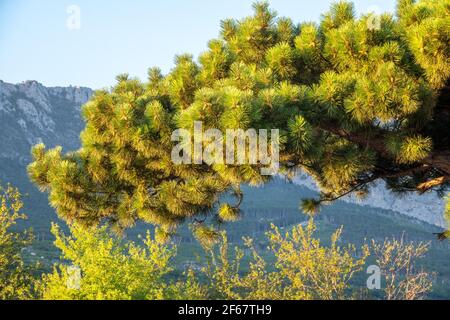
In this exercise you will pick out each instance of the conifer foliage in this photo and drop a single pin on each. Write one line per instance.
(354, 103)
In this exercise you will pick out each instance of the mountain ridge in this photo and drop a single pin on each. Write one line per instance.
(31, 113)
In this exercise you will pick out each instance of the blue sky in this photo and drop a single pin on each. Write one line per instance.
(121, 36)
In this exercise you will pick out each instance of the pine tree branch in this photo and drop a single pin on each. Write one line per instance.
(362, 182)
(425, 186)
(325, 59)
(439, 159)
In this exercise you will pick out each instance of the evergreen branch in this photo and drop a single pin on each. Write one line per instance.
(439, 159)
(425, 186)
(362, 182)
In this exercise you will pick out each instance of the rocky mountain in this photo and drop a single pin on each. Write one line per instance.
(31, 113)
(427, 207)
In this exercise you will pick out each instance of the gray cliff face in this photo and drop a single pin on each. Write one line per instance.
(31, 113)
(427, 207)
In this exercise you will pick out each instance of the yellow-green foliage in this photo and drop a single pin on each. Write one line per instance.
(402, 279)
(410, 149)
(207, 236)
(228, 213)
(113, 269)
(98, 265)
(354, 102)
(304, 268)
(16, 281)
(428, 36)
